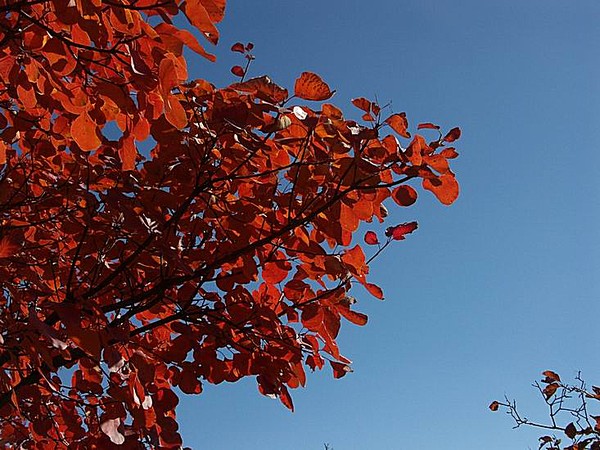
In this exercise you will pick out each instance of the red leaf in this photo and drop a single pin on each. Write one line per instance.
(452, 135)
(494, 406)
(571, 431)
(428, 125)
(399, 231)
(339, 369)
(311, 87)
(445, 187)
(238, 47)
(173, 36)
(286, 398)
(399, 124)
(374, 290)
(362, 103)
(238, 71)
(7, 247)
(353, 316)
(371, 238)
(200, 18)
(263, 88)
(128, 153)
(550, 376)
(449, 153)
(84, 132)
(355, 259)
(550, 390)
(86, 339)
(404, 195)
(276, 271)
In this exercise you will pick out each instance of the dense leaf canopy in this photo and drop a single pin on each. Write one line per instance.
(224, 251)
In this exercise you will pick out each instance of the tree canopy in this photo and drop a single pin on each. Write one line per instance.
(226, 250)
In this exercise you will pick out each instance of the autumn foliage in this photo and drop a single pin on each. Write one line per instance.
(572, 423)
(208, 236)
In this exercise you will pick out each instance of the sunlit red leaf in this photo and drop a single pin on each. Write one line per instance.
(399, 232)
(238, 71)
(200, 18)
(340, 369)
(311, 87)
(286, 398)
(84, 132)
(449, 153)
(238, 47)
(176, 37)
(362, 103)
(7, 247)
(494, 406)
(354, 316)
(276, 272)
(374, 290)
(371, 238)
(445, 187)
(399, 124)
(264, 88)
(428, 125)
(354, 258)
(128, 153)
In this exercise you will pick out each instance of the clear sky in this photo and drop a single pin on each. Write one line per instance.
(490, 291)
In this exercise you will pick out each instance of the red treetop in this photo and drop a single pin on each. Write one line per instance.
(226, 252)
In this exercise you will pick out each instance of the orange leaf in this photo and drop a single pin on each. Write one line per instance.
(449, 153)
(399, 124)
(428, 125)
(311, 87)
(175, 113)
(353, 316)
(362, 103)
(3, 148)
(174, 38)
(84, 132)
(201, 19)
(128, 153)
(263, 88)
(494, 406)
(445, 187)
(374, 290)
(355, 260)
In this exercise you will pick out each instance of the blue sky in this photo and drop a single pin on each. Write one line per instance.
(490, 291)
